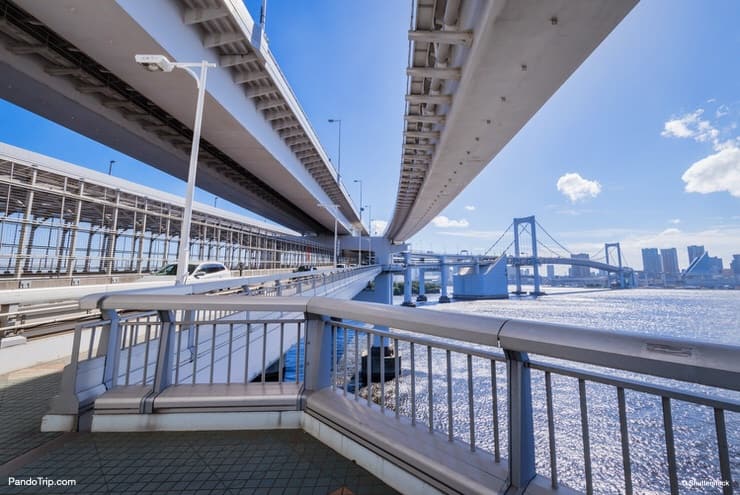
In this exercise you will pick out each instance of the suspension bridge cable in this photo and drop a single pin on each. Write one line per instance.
(551, 237)
(557, 255)
(497, 240)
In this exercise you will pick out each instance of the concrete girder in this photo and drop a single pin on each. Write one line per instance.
(422, 134)
(297, 148)
(232, 60)
(432, 72)
(419, 147)
(447, 37)
(198, 15)
(268, 104)
(292, 133)
(280, 114)
(297, 139)
(218, 39)
(426, 119)
(257, 92)
(433, 99)
(64, 71)
(242, 78)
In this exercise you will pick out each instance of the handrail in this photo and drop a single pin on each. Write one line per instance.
(92, 301)
(705, 363)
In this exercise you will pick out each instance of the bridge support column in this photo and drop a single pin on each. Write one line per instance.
(407, 280)
(422, 289)
(444, 276)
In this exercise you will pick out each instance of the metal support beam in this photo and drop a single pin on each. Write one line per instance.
(422, 134)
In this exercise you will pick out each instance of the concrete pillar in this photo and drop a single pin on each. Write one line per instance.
(535, 260)
(444, 278)
(422, 289)
(407, 280)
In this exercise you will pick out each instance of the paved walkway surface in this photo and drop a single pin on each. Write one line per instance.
(24, 399)
(279, 462)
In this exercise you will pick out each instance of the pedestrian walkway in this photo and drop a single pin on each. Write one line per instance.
(24, 399)
(276, 462)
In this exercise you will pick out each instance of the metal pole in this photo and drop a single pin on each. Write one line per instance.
(370, 231)
(184, 251)
(359, 237)
(110, 166)
(335, 239)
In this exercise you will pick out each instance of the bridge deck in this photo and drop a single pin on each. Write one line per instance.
(278, 461)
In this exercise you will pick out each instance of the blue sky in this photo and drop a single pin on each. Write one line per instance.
(648, 123)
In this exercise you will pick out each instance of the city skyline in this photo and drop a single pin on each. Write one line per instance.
(670, 178)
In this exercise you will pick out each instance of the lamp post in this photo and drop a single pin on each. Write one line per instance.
(339, 148)
(110, 166)
(370, 232)
(156, 63)
(334, 209)
(359, 238)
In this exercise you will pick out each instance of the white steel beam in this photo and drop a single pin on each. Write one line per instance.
(197, 15)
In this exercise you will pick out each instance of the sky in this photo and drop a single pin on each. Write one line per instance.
(640, 145)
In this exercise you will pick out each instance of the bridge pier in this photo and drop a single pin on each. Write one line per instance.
(444, 276)
(407, 279)
(422, 288)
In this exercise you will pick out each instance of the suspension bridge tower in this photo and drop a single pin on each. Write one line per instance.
(523, 225)
(615, 248)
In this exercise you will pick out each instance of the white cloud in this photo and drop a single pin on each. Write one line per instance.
(577, 188)
(671, 231)
(470, 208)
(674, 221)
(472, 234)
(445, 223)
(377, 227)
(691, 125)
(715, 173)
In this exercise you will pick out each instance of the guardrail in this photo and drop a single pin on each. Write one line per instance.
(471, 379)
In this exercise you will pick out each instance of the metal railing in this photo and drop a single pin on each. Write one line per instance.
(471, 379)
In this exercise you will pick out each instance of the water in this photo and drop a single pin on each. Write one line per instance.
(696, 314)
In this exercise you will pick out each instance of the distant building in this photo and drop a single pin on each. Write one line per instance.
(579, 271)
(651, 263)
(735, 265)
(705, 266)
(551, 271)
(670, 261)
(694, 252)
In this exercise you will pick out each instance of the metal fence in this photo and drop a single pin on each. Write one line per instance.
(541, 399)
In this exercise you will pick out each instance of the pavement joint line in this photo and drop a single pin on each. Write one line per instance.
(14, 465)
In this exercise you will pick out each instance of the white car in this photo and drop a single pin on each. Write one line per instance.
(197, 272)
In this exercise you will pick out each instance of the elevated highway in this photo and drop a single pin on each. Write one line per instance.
(478, 71)
(73, 62)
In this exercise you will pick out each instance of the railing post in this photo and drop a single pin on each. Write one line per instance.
(318, 353)
(521, 425)
(113, 349)
(165, 358)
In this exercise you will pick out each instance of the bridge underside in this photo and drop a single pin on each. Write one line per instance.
(479, 72)
(73, 63)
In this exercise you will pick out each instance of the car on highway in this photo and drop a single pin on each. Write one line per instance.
(198, 272)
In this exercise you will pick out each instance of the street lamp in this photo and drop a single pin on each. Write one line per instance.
(370, 234)
(334, 209)
(156, 63)
(359, 239)
(110, 166)
(339, 153)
